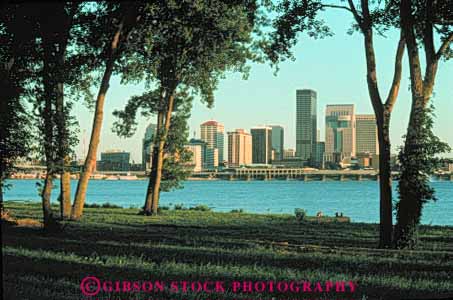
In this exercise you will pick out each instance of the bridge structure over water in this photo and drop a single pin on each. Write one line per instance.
(247, 174)
(301, 174)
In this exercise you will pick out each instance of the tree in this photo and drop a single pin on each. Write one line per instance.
(420, 22)
(123, 18)
(187, 47)
(302, 16)
(17, 40)
(175, 154)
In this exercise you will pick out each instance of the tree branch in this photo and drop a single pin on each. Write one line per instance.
(394, 89)
(336, 6)
(444, 46)
(357, 16)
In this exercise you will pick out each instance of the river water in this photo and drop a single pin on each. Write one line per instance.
(358, 200)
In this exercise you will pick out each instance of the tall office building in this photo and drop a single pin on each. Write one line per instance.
(196, 162)
(277, 141)
(147, 147)
(261, 145)
(239, 148)
(366, 134)
(114, 160)
(340, 132)
(212, 132)
(209, 157)
(306, 124)
(289, 153)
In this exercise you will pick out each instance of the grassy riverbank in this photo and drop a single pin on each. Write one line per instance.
(118, 244)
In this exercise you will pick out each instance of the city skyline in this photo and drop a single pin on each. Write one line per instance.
(337, 76)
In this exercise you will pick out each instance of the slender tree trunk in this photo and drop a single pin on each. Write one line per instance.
(2, 208)
(45, 195)
(160, 154)
(90, 160)
(65, 193)
(385, 182)
(152, 176)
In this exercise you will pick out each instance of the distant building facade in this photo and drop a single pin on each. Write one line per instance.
(239, 148)
(366, 134)
(261, 145)
(147, 147)
(306, 123)
(319, 154)
(213, 133)
(196, 163)
(340, 132)
(114, 160)
(277, 141)
(208, 161)
(289, 153)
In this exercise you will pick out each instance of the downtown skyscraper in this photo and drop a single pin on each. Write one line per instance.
(239, 148)
(261, 144)
(277, 141)
(213, 133)
(306, 124)
(340, 132)
(366, 134)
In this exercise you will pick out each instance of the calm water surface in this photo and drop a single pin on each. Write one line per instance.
(356, 199)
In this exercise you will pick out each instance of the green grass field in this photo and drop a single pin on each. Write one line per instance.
(118, 244)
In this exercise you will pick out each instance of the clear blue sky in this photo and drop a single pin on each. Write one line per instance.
(334, 67)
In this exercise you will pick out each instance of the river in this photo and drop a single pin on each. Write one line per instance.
(358, 200)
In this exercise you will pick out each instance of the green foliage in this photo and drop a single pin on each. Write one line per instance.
(179, 207)
(104, 205)
(418, 161)
(237, 211)
(201, 207)
(300, 214)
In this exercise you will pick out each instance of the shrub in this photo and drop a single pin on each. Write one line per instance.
(201, 207)
(240, 210)
(300, 214)
(110, 205)
(179, 207)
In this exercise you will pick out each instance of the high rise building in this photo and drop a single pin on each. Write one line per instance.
(319, 154)
(239, 148)
(114, 160)
(147, 147)
(277, 141)
(261, 145)
(212, 132)
(340, 132)
(208, 161)
(366, 134)
(196, 162)
(306, 124)
(289, 153)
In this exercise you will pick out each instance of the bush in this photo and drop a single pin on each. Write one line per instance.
(300, 214)
(201, 207)
(110, 205)
(179, 207)
(240, 210)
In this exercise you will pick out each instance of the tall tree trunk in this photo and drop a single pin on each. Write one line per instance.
(65, 192)
(90, 160)
(382, 112)
(385, 182)
(160, 154)
(45, 195)
(2, 208)
(152, 176)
